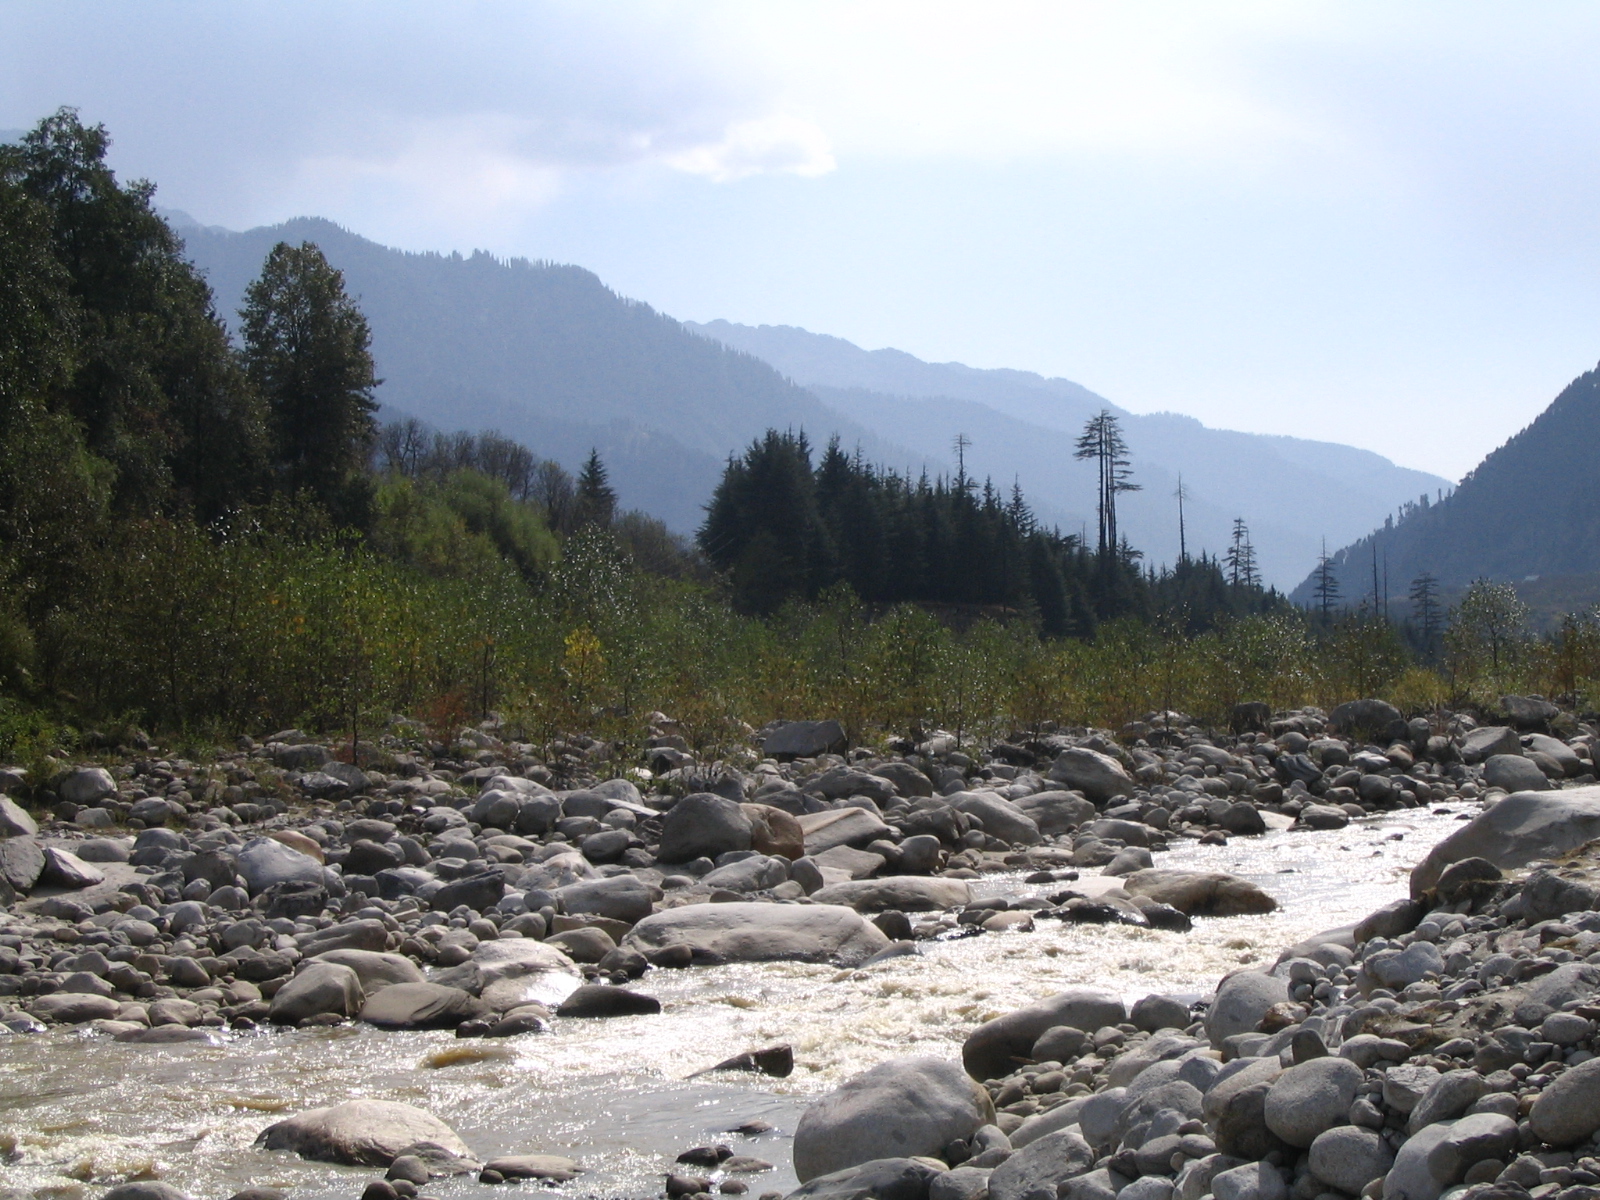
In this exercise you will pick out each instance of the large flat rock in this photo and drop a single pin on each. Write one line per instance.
(752, 932)
(1525, 827)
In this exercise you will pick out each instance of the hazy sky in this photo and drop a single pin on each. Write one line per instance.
(1373, 223)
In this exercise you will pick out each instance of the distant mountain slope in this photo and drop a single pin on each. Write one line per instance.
(1293, 493)
(1531, 508)
(550, 356)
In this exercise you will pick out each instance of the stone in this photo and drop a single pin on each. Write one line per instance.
(1234, 1108)
(1471, 1140)
(66, 870)
(507, 959)
(144, 1189)
(86, 786)
(1243, 999)
(588, 944)
(1487, 741)
(597, 1000)
(1370, 720)
(703, 825)
(773, 831)
(14, 819)
(322, 987)
(905, 893)
(104, 850)
(1041, 1167)
(1446, 1099)
(999, 818)
(421, 1006)
(905, 1106)
(1062, 1116)
(361, 1133)
(1411, 1178)
(757, 873)
(1200, 893)
(368, 933)
(1514, 773)
(549, 1167)
(1524, 827)
(1098, 776)
(376, 970)
(879, 1179)
(744, 931)
(1160, 1012)
(1348, 1158)
(1408, 966)
(962, 1183)
(1243, 818)
(1568, 1110)
(1311, 1098)
(266, 862)
(1056, 812)
(1253, 1181)
(995, 1048)
(803, 739)
(1528, 712)
(1405, 1084)
(21, 862)
(73, 1008)
(1323, 816)
(479, 891)
(855, 827)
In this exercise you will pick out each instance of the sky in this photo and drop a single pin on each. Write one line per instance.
(1362, 222)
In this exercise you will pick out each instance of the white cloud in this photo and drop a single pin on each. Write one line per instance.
(778, 144)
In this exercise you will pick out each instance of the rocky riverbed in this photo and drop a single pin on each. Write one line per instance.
(534, 960)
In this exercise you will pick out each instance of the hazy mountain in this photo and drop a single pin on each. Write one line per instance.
(1530, 511)
(1292, 492)
(549, 356)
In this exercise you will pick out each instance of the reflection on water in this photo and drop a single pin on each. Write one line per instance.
(78, 1111)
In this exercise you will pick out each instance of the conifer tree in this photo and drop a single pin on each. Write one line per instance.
(596, 501)
(1102, 441)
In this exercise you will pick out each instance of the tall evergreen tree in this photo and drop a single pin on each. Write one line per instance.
(1327, 589)
(308, 351)
(1241, 558)
(596, 501)
(1424, 597)
(1102, 441)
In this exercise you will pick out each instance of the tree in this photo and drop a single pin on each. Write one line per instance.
(1490, 618)
(596, 502)
(308, 351)
(1241, 558)
(1424, 597)
(1102, 441)
(1327, 588)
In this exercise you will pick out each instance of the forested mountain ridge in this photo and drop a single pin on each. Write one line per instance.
(1531, 508)
(551, 357)
(1293, 492)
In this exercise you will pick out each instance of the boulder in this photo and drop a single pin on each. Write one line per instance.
(597, 1000)
(1488, 741)
(144, 1189)
(880, 1179)
(510, 958)
(478, 891)
(804, 739)
(906, 779)
(549, 1167)
(1528, 712)
(753, 932)
(704, 825)
(840, 827)
(1446, 1098)
(1349, 1157)
(1243, 999)
(756, 873)
(73, 1008)
(1056, 812)
(1411, 1178)
(1200, 893)
(1000, 818)
(1311, 1098)
(1369, 720)
(86, 786)
(906, 1107)
(361, 1133)
(21, 862)
(995, 1048)
(14, 819)
(1514, 773)
(621, 898)
(1040, 1167)
(321, 988)
(421, 1006)
(1471, 1140)
(1568, 1110)
(1523, 828)
(265, 862)
(773, 831)
(1234, 1108)
(1098, 776)
(375, 970)
(1253, 1181)
(905, 893)
(67, 870)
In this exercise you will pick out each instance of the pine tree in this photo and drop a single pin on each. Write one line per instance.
(596, 500)
(1102, 441)
(1424, 596)
(1327, 589)
(1241, 559)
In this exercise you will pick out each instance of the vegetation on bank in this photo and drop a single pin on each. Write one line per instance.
(200, 536)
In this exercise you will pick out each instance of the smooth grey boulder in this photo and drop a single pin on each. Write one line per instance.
(703, 825)
(86, 786)
(1471, 1140)
(621, 898)
(320, 988)
(375, 969)
(1200, 893)
(833, 827)
(1411, 1178)
(1348, 1157)
(66, 870)
(1242, 1000)
(361, 1133)
(1234, 1108)
(804, 739)
(1514, 773)
(73, 1008)
(1130, 1065)
(1062, 1116)
(1486, 742)
(879, 1179)
(265, 862)
(1041, 1167)
(1098, 776)
(995, 1048)
(21, 862)
(1568, 1110)
(961, 1183)
(1000, 818)
(904, 893)
(1446, 1099)
(754, 874)
(1253, 1181)
(1057, 812)
(1160, 1012)
(1522, 828)
(1408, 966)
(1369, 718)
(145, 1189)
(1563, 755)
(1311, 1098)
(745, 931)
(421, 1006)
(14, 819)
(905, 1107)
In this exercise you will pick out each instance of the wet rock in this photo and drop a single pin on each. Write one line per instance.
(375, 970)
(421, 1006)
(1514, 773)
(548, 1167)
(145, 1189)
(776, 1061)
(1311, 1098)
(321, 988)
(913, 1106)
(363, 1133)
(1041, 1167)
(595, 1000)
(904, 893)
(1200, 893)
(745, 931)
(995, 1047)
(880, 1179)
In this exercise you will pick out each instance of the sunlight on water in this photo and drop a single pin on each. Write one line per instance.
(78, 1112)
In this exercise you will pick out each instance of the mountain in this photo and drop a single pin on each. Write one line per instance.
(549, 356)
(1529, 512)
(1292, 492)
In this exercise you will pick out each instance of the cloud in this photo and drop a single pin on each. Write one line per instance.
(779, 144)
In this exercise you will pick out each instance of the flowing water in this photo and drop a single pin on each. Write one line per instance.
(78, 1111)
